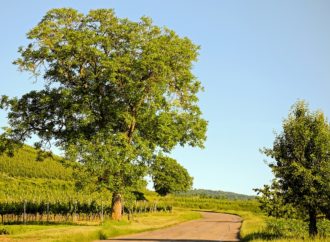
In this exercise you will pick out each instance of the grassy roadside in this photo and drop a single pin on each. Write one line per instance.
(83, 233)
(254, 229)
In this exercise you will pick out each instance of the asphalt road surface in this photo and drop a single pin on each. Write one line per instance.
(212, 227)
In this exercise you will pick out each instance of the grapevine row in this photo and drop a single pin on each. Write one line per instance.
(31, 211)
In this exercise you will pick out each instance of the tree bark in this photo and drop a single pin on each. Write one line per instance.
(116, 210)
(312, 222)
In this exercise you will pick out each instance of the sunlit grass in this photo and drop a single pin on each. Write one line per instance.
(254, 228)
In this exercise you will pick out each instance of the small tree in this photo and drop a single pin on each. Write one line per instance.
(302, 162)
(116, 92)
(169, 176)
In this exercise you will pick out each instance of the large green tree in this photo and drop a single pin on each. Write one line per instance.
(169, 176)
(116, 93)
(302, 162)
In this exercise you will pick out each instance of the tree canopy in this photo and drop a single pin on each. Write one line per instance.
(116, 92)
(301, 164)
(169, 176)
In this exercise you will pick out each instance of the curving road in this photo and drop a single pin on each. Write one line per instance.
(212, 227)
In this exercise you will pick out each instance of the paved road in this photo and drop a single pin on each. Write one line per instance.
(212, 227)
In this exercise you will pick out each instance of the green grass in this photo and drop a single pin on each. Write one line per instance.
(45, 233)
(257, 227)
(292, 229)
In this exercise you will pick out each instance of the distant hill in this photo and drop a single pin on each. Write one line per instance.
(204, 193)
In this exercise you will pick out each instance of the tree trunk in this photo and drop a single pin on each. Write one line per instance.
(312, 222)
(116, 210)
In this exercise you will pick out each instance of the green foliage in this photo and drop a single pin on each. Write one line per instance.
(169, 176)
(302, 162)
(116, 92)
(273, 204)
(103, 164)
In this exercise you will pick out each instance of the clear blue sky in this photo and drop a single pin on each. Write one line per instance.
(257, 58)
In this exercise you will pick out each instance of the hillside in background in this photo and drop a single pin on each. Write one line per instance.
(22, 177)
(204, 193)
(24, 164)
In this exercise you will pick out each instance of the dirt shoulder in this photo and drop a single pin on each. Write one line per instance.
(212, 227)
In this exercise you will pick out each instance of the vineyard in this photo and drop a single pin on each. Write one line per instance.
(44, 191)
(200, 202)
(28, 211)
(24, 164)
